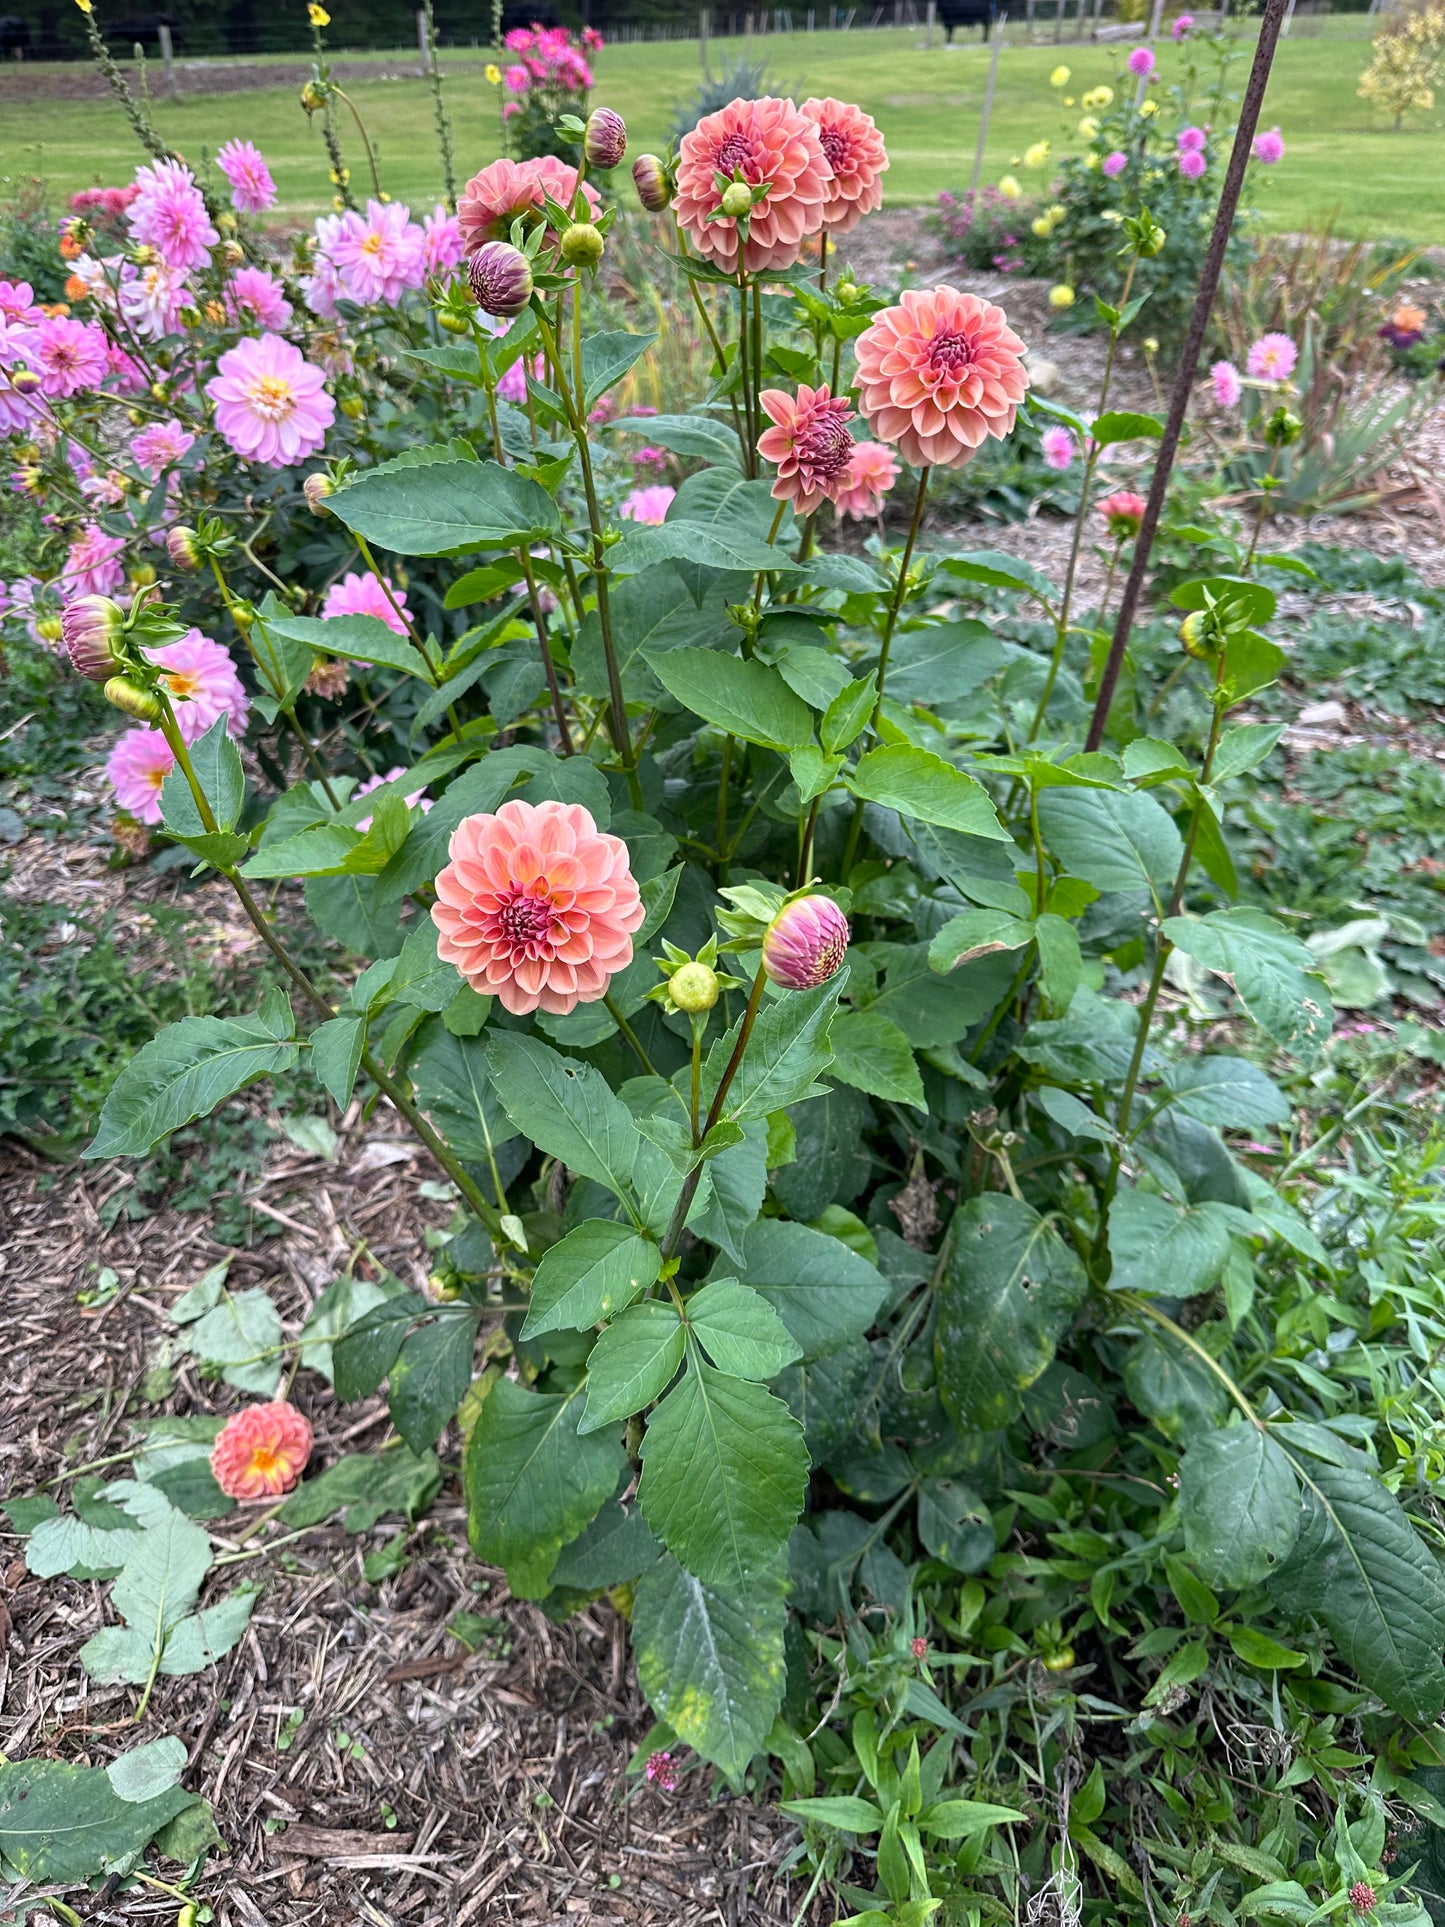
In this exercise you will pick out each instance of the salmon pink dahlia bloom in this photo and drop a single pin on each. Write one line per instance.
(493, 199)
(809, 443)
(755, 140)
(203, 685)
(139, 762)
(261, 1452)
(939, 374)
(271, 403)
(853, 148)
(363, 595)
(1122, 513)
(872, 471)
(537, 906)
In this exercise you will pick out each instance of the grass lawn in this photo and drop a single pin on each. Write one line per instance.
(1341, 158)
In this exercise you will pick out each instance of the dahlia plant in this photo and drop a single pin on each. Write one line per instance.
(808, 1032)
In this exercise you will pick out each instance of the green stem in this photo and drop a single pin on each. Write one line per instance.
(724, 778)
(1259, 513)
(1144, 1309)
(610, 1006)
(365, 142)
(693, 1178)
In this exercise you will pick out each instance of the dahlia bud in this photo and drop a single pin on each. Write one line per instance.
(142, 575)
(582, 245)
(316, 488)
(737, 200)
(143, 704)
(500, 278)
(232, 253)
(1362, 1897)
(1191, 634)
(805, 943)
(694, 987)
(1283, 428)
(90, 628)
(455, 324)
(605, 141)
(353, 407)
(183, 547)
(24, 381)
(649, 177)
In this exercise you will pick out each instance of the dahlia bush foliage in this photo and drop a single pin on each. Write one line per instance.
(809, 995)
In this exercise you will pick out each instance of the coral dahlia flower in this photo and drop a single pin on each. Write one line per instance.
(872, 471)
(537, 906)
(203, 684)
(262, 1451)
(139, 762)
(853, 148)
(271, 403)
(363, 595)
(493, 199)
(939, 374)
(810, 444)
(759, 140)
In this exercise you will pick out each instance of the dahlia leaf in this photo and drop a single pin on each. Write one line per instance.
(429, 1377)
(633, 1362)
(566, 1109)
(917, 783)
(183, 1074)
(446, 508)
(746, 699)
(1114, 839)
(591, 1274)
(825, 1294)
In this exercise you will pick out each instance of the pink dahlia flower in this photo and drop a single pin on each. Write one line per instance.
(151, 298)
(363, 823)
(853, 148)
(1115, 163)
(939, 374)
(362, 595)
(1191, 140)
(203, 685)
(1192, 163)
(512, 382)
(271, 403)
(17, 408)
(1141, 61)
(1268, 147)
(254, 295)
(244, 166)
(1182, 25)
(380, 257)
(1272, 358)
(139, 762)
(648, 505)
(262, 1451)
(126, 373)
(493, 199)
(1225, 380)
(1122, 512)
(805, 943)
(441, 247)
(872, 471)
(757, 140)
(809, 443)
(160, 444)
(537, 906)
(67, 355)
(517, 78)
(169, 215)
(18, 303)
(92, 563)
(1059, 447)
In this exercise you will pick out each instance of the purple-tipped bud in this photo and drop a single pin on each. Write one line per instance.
(183, 546)
(143, 704)
(24, 381)
(90, 628)
(605, 141)
(649, 177)
(805, 943)
(316, 488)
(500, 277)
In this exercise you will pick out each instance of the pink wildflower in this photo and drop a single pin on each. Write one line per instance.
(648, 461)
(1191, 140)
(854, 150)
(757, 141)
(256, 296)
(92, 563)
(1141, 61)
(648, 505)
(808, 443)
(1225, 379)
(872, 470)
(380, 257)
(1192, 163)
(417, 797)
(441, 248)
(363, 595)
(1182, 25)
(203, 685)
(252, 188)
(1059, 447)
(1272, 358)
(169, 214)
(1268, 147)
(271, 404)
(1115, 163)
(67, 355)
(139, 762)
(939, 374)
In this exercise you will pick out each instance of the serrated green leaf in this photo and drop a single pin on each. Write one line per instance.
(566, 1109)
(740, 1331)
(1162, 1249)
(1228, 1092)
(787, 1051)
(747, 699)
(217, 765)
(871, 1053)
(336, 1048)
(919, 784)
(978, 933)
(1270, 971)
(824, 1293)
(363, 1355)
(454, 1087)
(243, 1336)
(445, 507)
(358, 638)
(183, 1073)
(1114, 839)
(591, 1274)
(429, 1376)
(633, 1362)
(1239, 1503)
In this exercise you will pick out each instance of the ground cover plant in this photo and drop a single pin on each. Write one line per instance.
(894, 1253)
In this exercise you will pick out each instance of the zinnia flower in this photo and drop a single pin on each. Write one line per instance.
(805, 943)
(493, 199)
(203, 684)
(363, 823)
(939, 374)
(809, 443)
(255, 295)
(648, 505)
(871, 472)
(169, 215)
(853, 148)
(1115, 163)
(362, 595)
(1272, 358)
(1141, 61)
(1122, 513)
(67, 355)
(252, 188)
(755, 140)
(1228, 387)
(1268, 147)
(159, 444)
(139, 762)
(271, 404)
(92, 565)
(262, 1451)
(1058, 447)
(378, 258)
(536, 906)
(1192, 163)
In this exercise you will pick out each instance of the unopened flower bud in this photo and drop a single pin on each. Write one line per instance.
(143, 704)
(353, 407)
(1191, 634)
(1362, 1897)
(605, 141)
(183, 547)
(582, 245)
(24, 381)
(90, 628)
(918, 1648)
(232, 253)
(805, 943)
(50, 629)
(649, 177)
(694, 987)
(737, 199)
(312, 98)
(500, 278)
(142, 575)
(454, 324)
(316, 488)
(1283, 428)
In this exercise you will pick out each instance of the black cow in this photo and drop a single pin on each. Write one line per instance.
(967, 13)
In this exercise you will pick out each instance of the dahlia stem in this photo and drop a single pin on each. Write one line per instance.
(365, 142)
(609, 1004)
(288, 709)
(724, 778)
(693, 1178)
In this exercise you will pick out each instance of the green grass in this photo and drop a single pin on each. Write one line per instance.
(1340, 158)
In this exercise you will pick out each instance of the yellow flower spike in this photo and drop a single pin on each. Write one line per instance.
(493, 73)
(1036, 155)
(84, 5)
(1059, 77)
(1061, 296)
(1009, 188)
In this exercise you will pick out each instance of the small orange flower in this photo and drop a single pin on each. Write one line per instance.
(262, 1451)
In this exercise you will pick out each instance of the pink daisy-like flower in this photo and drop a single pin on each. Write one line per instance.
(244, 166)
(1228, 387)
(1191, 140)
(757, 140)
(1268, 147)
(18, 303)
(493, 199)
(939, 374)
(17, 408)
(1192, 163)
(648, 461)
(648, 505)
(1141, 61)
(380, 257)
(203, 685)
(92, 563)
(262, 1451)
(519, 40)
(126, 373)
(362, 595)
(1182, 25)
(67, 355)
(139, 762)
(271, 403)
(1122, 512)
(1272, 358)
(517, 78)
(537, 906)
(151, 298)
(805, 943)
(255, 295)
(809, 443)
(169, 215)
(363, 823)
(872, 470)
(1115, 163)
(853, 148)
(1059, 447)
(441, 247)
(159, 444)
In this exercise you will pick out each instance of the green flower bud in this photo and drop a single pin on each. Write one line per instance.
(694, 987)
(737, 200)
(582, 245)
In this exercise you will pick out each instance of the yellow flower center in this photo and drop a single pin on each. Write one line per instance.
(372, 244)
(182, 683)
(271, 397)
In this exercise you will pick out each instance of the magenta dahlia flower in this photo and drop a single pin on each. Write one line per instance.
(939, 374)
(1192, 163)
(1141, 62)
(805, 943)
(757, 140)
(159, 444)
(1268, 147)
(244, 166)
(441, 242)
(1272, 358)
(1115, 163)
(1059, 447)
(853, 148)
(809, 444)
(169, 215)
(1191, 140)
(139, 762)
(271, 403)
(67, 355)
(253, 295)
(1182, 25)
(381, 256)
(203, 685)
(1225, 380)
(362, 595)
